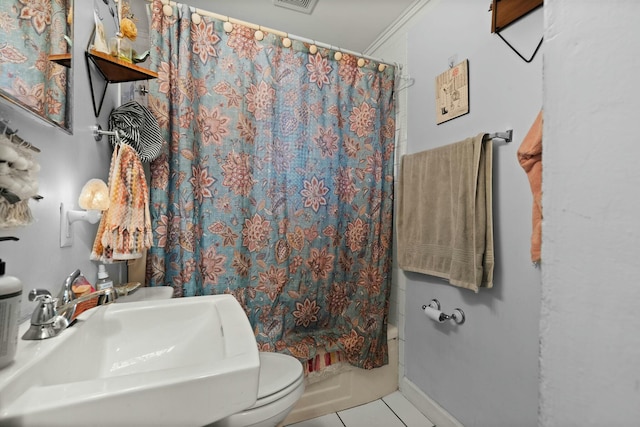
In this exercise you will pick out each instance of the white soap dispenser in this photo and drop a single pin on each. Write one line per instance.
(10, 299)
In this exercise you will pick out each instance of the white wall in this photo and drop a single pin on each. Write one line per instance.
(485, 372)
(392, 47)
(590, 344)
(67, 162)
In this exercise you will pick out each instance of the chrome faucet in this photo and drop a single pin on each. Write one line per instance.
(66, 295)
(45, 320)
(53, 315)
(104, 296)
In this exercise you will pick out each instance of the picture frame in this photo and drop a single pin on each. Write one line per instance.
(100, 36)
(452, 92)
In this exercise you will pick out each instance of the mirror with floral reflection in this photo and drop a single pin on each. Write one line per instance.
(36, 57)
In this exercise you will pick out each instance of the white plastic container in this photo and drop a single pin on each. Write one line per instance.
(10, 299)
(104, 281)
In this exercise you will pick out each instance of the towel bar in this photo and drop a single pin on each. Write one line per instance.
(507, 136)
(98, 132)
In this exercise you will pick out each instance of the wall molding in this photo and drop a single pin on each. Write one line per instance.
(429, 407)
(396, 25)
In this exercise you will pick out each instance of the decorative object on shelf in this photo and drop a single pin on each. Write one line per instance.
(128, 28)
(99, 37)
(120, 47)
(138, 58)
(94, 199)
(452, 92)
(120, 44)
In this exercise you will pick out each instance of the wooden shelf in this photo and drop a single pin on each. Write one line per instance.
(63, 59)
(115, 70)
(505, 12)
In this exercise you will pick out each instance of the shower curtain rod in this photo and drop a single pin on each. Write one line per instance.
(280, 33)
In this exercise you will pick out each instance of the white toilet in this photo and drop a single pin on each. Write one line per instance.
(280, 385)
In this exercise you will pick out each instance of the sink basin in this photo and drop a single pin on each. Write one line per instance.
(147, 294)
(184, 361)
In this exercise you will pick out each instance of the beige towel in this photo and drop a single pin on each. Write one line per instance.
(445, 218)
(530, 158)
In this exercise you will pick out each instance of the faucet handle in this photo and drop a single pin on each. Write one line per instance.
(45, 312)
(45, 321)
(38, 294)
(110, 295)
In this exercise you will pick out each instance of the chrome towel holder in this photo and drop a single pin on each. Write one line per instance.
(98, 132)
(506, 136)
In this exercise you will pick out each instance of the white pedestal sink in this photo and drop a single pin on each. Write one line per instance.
(147, 294)
(176, 362)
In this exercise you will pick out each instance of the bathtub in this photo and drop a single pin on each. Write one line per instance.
(348, 388)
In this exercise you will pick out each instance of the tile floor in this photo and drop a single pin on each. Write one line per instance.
(393, 410)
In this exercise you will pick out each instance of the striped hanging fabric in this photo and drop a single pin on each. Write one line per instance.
(138, 128)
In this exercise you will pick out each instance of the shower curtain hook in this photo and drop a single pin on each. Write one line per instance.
(410, 81)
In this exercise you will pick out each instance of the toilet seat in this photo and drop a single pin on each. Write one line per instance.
(279, 375)
(280, 386)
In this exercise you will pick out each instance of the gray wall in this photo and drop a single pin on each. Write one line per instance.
(67, 162)
(590, 344)
(485, 372)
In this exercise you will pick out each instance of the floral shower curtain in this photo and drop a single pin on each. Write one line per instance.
(276, 185)
(32, 30)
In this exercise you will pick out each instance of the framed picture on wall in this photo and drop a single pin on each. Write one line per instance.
(452, 92)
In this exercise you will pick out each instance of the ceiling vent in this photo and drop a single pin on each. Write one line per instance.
(304, 6)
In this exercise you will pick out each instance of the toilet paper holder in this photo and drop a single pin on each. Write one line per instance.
(457, 315)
